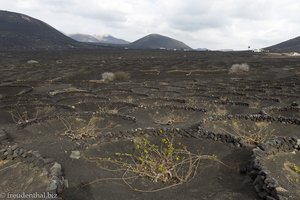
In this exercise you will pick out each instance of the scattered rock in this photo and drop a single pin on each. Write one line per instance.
(32, 62)
(75, 155)
(14, 147)
(56, 169)
(281, 190)
(295, 104)
(52, 186)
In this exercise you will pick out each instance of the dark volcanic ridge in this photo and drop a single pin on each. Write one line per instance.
(18, 31)
(292, 45)
(22, 32)
(156, 41)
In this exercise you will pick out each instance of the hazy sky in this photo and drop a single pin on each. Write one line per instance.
(214, 24)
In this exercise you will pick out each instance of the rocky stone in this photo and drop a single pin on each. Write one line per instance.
(2, 151)
(32, 62)
(56, 169)
(24, 155)
(9, 151)
(21, 151)
(52, 187)
(75, 155)
(14, 147)
(3, 157)
(36, 154)
(14, 156)
(60, 187)
(294, 104)
(281, 190)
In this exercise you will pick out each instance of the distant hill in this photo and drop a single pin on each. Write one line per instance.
(101, 39)
(202, 49)
(18, 31)
(292, 45)
(108, 39)
(156, 41)
(83, 38)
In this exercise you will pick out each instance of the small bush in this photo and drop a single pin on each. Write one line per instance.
(84, 131)
(239, 68)
(108, 76)
(117, 76)
(165, 162)
(121, 76)
(258, 133)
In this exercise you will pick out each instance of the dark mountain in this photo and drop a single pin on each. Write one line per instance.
(287, 46)
(18, 31)
(108, 39)
(156, 41)
(84, 38)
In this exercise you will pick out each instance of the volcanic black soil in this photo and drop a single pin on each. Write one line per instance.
(49, 105)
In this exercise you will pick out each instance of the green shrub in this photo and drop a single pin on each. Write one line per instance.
(164, 161)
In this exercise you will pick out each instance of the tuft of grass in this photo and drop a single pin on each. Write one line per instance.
(239, 68)
(165, 162)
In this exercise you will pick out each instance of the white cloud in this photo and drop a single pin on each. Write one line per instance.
(214, 24)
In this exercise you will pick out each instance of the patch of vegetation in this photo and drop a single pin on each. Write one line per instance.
(121, 76)
(257, 134)
(117, 76)
(295, 168)
(165, 162)
(170, 118)
(82, 132)
(23, 116)
(239, 68)
(108, 77)
(106, 110)
(83, 129)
